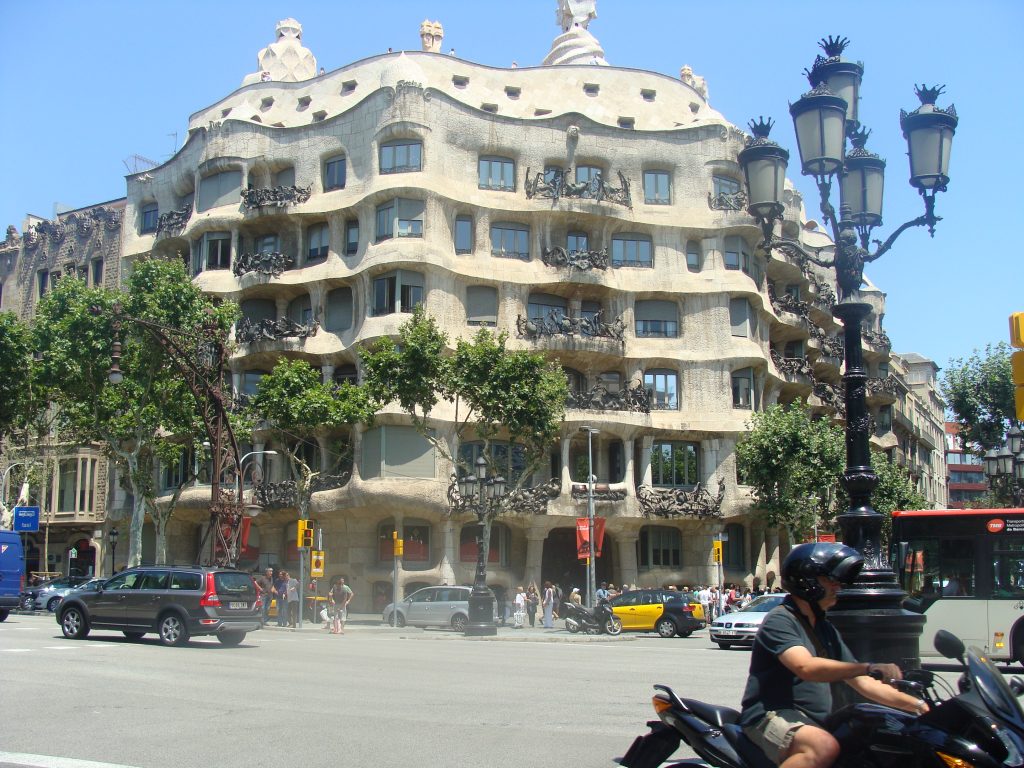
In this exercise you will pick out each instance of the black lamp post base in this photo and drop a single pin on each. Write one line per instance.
(481, 614)
(876, 628)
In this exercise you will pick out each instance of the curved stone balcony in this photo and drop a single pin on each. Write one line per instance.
(696, 502)
(273, 264)
(283, 495)
(558, 324)
(275, 197)
(582, 261)
(172, 223)
(634, 397)
(560, 187)
(249, 332)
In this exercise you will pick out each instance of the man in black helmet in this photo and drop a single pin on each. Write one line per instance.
(797, 654)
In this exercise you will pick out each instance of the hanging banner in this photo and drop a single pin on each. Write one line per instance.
(583, 540)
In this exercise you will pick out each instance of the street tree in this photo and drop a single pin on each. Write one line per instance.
(151, 412)
(895, 490)
(294, 407)
(979, 391)
(16, 370)
(497, 394)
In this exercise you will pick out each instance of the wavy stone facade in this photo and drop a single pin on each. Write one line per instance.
(572, 207)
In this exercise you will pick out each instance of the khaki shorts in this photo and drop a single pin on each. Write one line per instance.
(773, 734)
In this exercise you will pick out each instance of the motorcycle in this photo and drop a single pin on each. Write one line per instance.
(979, 726)
(602, 619)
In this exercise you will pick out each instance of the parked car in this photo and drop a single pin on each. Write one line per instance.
(656, 610)
(434, 607)
(175, 602)
(12, 571)
(739, 627)
(49, 594)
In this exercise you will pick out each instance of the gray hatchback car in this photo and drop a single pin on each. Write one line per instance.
(433, 607)
(175, 602)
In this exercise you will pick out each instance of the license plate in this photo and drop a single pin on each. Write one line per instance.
(238, 605)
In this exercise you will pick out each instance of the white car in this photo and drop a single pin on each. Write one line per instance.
(739, 627)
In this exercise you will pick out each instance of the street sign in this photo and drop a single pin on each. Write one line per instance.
(72, 553)
(26, 519)
(717, 551)
(316, 564)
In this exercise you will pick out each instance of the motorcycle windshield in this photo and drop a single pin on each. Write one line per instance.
(990, 684)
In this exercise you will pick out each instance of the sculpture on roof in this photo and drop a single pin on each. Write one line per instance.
(286, 60)
(576, 45)
(431, 33)
(699, 84)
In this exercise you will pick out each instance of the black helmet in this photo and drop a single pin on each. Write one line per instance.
(806, 562)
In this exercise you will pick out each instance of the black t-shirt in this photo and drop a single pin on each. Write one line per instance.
(771, 686)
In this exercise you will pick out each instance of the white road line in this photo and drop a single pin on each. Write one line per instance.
(47, 761)
(16, 650)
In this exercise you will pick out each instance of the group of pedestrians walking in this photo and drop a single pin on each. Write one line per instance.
(284, 590)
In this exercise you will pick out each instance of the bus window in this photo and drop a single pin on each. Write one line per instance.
(956, 567)
(1008, 568)
(939, 567)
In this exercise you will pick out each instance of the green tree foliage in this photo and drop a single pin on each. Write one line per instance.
(15, 372)
(793, 463)
(151, 412)
(979, 391)
(895, 490)
(294, 406)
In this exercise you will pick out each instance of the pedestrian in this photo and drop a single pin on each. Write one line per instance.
(265, 584)
(292, 598)
(602, 592)
(519, 616)
(559, 597)
(532, 603)
(575, 598)
(548, 603)
(340, 596)
(280, 594)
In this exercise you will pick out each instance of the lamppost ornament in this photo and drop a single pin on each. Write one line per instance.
(1004, 468)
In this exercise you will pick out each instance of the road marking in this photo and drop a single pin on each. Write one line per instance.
(47, 761)
(16, 650)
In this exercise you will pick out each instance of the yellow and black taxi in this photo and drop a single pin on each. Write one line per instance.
(656, 610)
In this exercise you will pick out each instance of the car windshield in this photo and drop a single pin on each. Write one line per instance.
(763, 604)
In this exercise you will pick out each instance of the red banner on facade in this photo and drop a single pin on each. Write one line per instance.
(583, 538)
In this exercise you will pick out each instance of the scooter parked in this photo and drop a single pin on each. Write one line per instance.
(981, 726)
(601, 619)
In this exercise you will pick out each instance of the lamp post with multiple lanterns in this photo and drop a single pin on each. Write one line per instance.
(114, 534)
(869, 613)
(485, 493)
(1005, 468)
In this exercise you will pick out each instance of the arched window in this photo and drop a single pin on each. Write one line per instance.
(339, 309)
(693, 256)
(734, 547)
(402, 156)
(500, 545)
(220, 189)
(300, 309)
(659, 547)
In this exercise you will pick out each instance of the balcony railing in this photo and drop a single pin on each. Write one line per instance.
(581, 260)
(173, 222)
(728, 201)
(602, 491)
(283, 494)
(557, 324)
(634, 397)
(681, 502)
(554, 185)
(526, 501)
(272, 264)
(791, 367)
(249, 331)
(277, 197)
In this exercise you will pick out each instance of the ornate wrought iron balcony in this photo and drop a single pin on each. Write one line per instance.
(266, 263)
(556, 184)
(557, 324)
(890, 385)
(525, 501)
(283, 494)
(679, 502)
(791, 367)
(602, 492)
(634, 397)
(877, 338)
(735, 201)
(173, 222)
(277, 197)
(248, 331)
(581, 260)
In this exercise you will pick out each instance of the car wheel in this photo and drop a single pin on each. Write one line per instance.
(665, 627)
(73, 624)
(459, 622)
(684, 634)
(231, 638)
(613, 626)
(725, 646)
(133, 635)
(399, 620)
(173, 630)
(27, 603)
(52, 604)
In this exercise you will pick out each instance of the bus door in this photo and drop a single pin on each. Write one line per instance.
(1006, 608)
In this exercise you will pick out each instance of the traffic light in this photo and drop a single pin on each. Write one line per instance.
(1017, 361)
(399, 544)
(304, 534)
(717, 551)
(1017, 330)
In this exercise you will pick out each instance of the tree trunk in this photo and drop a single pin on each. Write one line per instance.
(138, 511)
(160, 520)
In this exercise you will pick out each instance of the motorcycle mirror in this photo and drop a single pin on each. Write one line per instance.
(1017, 685)
(949, 645)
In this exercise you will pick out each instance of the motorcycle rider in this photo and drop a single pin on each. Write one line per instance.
(797, 653)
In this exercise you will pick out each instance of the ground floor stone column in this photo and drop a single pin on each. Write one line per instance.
(629, 573)
(628, 451)
(535, 538)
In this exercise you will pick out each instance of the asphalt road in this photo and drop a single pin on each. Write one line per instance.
(374, 697)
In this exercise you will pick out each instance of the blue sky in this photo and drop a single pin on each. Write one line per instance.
(88, 84)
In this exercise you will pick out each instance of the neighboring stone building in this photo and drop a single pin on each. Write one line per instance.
(966, 479)
(591, 212)
(73, 497)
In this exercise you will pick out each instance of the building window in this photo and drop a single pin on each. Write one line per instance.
(220, 189)
(793, 291)
(734, 548)
(742, 317)
(346, 374)
(733, 245)
(300, 310)
(319, 239)
(285, 177)
(663, 387)
(351, 236)
(258, 310)
(577, 242)
(885, 419)
(675, 464)
(410, 227)
(656, 188)
(251, 382)
(500, 544)
(656, 319)
(401, 156)
(76, 484)
(693, 256)
(588, 174)
(400, 291)
(42, 282)
(632, 251)
(217, 250)
(743, 389)
(268, 244)
(386, 221)
(510, 241)
(335, 170)
(400, 217)
(482, 305)
(497, 173)
(543, 306)
(794, 349)
(723, 185)
(552, 173)
(339, 309)
(509, 463)
(396, 451)
(659, 547)
(150, 216)
(97, 273)
(463, 234)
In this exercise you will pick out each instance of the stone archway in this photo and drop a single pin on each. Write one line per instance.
(561, 566)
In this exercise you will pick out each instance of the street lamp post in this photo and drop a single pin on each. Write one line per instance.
(869, 613)
(114, 534)
(1005, 468)
(3, 490)
(591, 549)
(486, 492)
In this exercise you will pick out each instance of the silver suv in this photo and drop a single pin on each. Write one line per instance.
(175, 602)
(433, 607)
